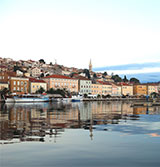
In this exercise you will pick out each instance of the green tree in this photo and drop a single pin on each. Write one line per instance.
(86, 71)
(40, 90)
(105, 73)
(42, 61)
(125, 79)
(94, 75)
(4, 91)
(61, 92)
(42, 75)
(85, 95)
(154, 95)
(134, 80)
(51, 91)
(15, 68)
(117, 78)
(98, 96)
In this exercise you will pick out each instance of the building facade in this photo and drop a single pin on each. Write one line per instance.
(5, 76)
(62, 82)
(116, 90)
(35, 84)
(19, 85)
(126, 89)
(3, 85)
(96, 89)
(84, 85)
(152, 88)
(140, 89)
(106, 88)
(35, 72)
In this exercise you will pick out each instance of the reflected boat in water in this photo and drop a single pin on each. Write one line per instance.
(35, 119)
(74, 128)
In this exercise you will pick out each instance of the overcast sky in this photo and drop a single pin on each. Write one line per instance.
(110, 32)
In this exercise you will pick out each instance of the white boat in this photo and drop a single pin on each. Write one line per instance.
(66, 100)
(27, 99)
(9, 99)
(77, 98)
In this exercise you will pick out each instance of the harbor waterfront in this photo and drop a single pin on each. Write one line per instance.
(97, 133)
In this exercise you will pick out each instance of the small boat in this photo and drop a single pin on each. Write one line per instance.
(27, 99)
(9, 99)
(77, 98)
(66, 100)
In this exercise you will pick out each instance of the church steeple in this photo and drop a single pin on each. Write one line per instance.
(90, 66)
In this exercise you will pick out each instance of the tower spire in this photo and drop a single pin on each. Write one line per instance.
(90, 66)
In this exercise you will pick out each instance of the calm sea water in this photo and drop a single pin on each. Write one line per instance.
(79, 134)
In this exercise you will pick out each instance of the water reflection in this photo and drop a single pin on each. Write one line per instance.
(38, 122)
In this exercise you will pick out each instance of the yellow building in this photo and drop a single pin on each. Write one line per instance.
(152, 88)
(140, 89)
(61, 82)
(96, 89)
(126, 89)
(106, 88)
(19, 85)
(116, 90)
(36, 84)
(3, 85)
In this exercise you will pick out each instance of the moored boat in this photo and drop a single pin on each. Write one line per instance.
(77, 98)
(27, 99)
(9, 99)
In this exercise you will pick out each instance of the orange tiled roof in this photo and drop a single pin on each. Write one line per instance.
(36, 80)
(59, 76)
(81, 78)
(104, 83)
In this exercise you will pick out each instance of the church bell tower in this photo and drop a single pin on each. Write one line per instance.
(90, 66)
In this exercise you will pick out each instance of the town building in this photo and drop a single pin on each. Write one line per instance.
(19, 85)
(96, 89)
(5, 76)
(152, 87)
(3, 68)
(116, 90)
(62, 82)
(35, 72)
(84, 85)
(126, 89)
(140, 89)
(36, 84)
(106, 88)
(3, 85)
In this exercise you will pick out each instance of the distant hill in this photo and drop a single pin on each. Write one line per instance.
(145, 72)
(145, 77)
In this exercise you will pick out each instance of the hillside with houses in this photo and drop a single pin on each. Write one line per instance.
(23, 77)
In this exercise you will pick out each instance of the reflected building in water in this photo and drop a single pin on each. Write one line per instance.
(32, 122)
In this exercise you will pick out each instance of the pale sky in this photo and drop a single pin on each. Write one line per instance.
(110, 32)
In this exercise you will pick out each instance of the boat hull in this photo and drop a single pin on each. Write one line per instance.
(76, 100)
(30, 100)
(26, 99)
(9, 100)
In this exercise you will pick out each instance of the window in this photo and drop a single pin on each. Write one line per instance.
(14, 82)
(17, 82)
(21, 82)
